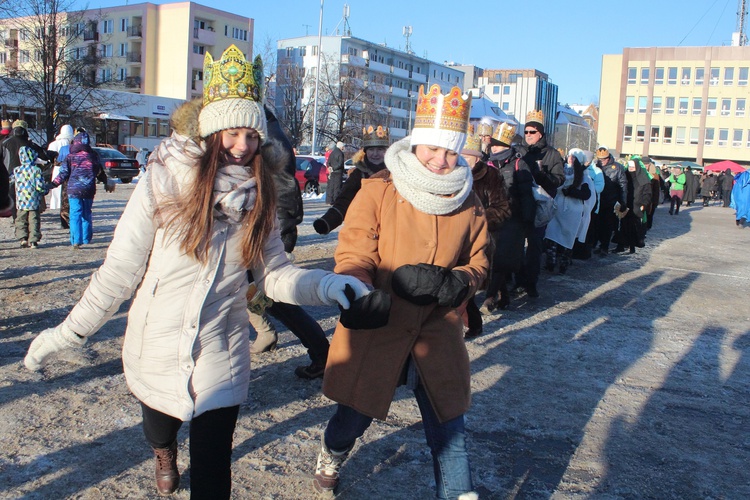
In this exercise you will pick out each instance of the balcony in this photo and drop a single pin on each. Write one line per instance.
(135, 31)
(420, 77)
(206, 36)
(399, 92)
(399, 72)
(379, 67)
(398, 112)
(133, 82)
(352, 60)
(11, 43)
(90, 36)
(134, 57)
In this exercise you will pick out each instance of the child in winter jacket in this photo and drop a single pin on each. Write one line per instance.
(30, 191)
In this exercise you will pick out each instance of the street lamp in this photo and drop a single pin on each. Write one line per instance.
(317, 79)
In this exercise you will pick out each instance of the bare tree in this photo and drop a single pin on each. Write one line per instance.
(293, 110)
(54, 61)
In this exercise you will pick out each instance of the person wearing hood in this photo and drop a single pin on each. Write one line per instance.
(58, 196)
(489, 186)
(418, 236)
(547, 168)
(203, 214)
(741, 198)
(335, 164)
(709, 188)
(367, 162)
(575, 201)
(691, 187)
(30, 191)
(677, 182)
(614, 192)
(726, 180)
(10, 159)
(80, 170)
(518, 180)
(633, 219)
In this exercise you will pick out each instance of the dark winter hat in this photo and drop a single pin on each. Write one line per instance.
(646, 159)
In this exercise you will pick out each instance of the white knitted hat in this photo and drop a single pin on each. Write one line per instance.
(232, 113)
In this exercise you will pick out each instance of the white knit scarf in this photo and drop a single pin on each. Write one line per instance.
(234, 193)
(431, 193)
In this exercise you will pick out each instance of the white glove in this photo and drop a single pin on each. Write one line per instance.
(331, 289)
(49, 342)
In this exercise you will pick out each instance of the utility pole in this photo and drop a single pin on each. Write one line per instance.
(317, 80)
(741, 22)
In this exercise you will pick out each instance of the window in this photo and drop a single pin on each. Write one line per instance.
(680, 135)
(163, 128)
(122, 73)
(124, 24)
(711, 106)
(3, 57)
(106, 50)
(659, 76)
(672, 76)
(302, 51)
(723, 136)
(694, 135)
(748, 138)
(315, 50)
(644, 76)
(152, 128)
(685, 76)
(726, 105)
(496, 89)
(742, 77)
(667, 135)
(714, 76)
(108, 26)
(506, 106)
(640, 133)
(24, 56)
(105, 75)
(506, 89)
(670, 106)
(632, 72)
(514, 77)
(697, 105)
(289, 51)
(737, 138)
(709, 137)
(630, 104)
(740, 107)
(654, 134)
(729, 77)
(683, 106)
(123, 50)
(700, 74)
(642, 104)
(37, 55)
(627, 134)
(656, 106)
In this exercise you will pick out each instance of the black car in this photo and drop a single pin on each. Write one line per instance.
(117, 165)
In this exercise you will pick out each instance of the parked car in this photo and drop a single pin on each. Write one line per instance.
(117, 165)
(311, 174)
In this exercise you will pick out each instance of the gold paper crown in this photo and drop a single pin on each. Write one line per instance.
(505, 133)
(484, 129)
(444, 112)
(375, 137)
(535, 116)
(473, 145)
(232, 77)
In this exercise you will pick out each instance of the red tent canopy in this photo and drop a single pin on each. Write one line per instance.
(726, 164)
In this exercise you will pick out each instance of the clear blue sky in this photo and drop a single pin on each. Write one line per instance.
(563, 38)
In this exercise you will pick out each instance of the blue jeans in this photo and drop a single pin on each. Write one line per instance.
(447, 442)
(81, 229)
(304, 327)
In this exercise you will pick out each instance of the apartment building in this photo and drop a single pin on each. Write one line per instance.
(394, 76)
(518, 91)
(143, 48)
(677, 103)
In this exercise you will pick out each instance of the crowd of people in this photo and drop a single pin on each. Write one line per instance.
(424, 225)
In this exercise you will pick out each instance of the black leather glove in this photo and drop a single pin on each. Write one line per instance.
(368, 312)
(321, 226)
(424, 284)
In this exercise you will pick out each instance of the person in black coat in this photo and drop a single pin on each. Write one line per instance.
(638, 202)
(726, 181)
(367, 162)
(709, 188)
(547, 167)
(615, 191)
(691, 187)
(335, 173)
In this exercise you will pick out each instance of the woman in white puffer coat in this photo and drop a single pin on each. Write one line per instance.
(200, 217)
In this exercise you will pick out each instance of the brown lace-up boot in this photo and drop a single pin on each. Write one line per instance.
(167, 475)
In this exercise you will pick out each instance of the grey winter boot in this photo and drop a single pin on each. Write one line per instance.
(329, 463)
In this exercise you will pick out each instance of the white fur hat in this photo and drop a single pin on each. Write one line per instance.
(579, 155)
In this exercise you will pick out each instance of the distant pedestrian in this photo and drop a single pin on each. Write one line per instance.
(9, 152)
(709, 188)
(335, 172)
(727, 181)
(30, 191)
(676, 190)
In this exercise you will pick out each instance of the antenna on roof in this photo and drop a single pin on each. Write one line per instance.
(741, 33)
(407, 33)
(347, 30)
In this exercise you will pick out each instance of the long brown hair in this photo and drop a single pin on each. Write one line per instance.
(191, 215)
